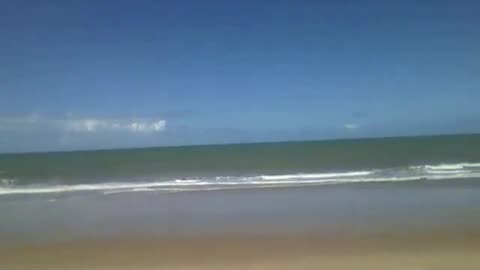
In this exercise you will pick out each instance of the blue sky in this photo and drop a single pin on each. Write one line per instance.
(103, 74)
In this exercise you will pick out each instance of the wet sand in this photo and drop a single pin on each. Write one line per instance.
(366, 226)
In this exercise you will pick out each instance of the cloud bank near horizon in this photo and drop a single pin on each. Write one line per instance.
(36, 122)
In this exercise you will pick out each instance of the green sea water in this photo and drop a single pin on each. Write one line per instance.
(164, 163)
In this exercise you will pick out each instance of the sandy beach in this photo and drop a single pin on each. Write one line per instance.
(434, 251)
(417, 225)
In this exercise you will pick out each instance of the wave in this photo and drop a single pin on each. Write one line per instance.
(315, 175)
(424, 172)
(457, 166)
(447, 171)
(7, 181)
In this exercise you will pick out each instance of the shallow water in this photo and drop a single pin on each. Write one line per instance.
(339, 209)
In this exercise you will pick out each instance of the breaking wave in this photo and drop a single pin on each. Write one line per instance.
(9, 186)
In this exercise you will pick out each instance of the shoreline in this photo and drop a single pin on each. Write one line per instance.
(421, 182)
(396, 207)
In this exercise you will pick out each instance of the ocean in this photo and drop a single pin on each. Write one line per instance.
(235, 166)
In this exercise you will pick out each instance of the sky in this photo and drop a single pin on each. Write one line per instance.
(113, 74)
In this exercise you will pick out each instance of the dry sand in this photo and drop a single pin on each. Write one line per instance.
(442, 250)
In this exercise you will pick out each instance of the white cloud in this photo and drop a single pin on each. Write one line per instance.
(83, 125)
(351, 126)
(91, 125)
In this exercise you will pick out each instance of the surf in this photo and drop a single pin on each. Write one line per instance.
(9, 186)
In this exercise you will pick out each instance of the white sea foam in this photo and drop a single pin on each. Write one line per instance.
(93, 187)
(315, 175)
(186, 181)
(447, 171)
(457, 166)
(471, 165)
(424, 172)
(7, 181)
(128, 190)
